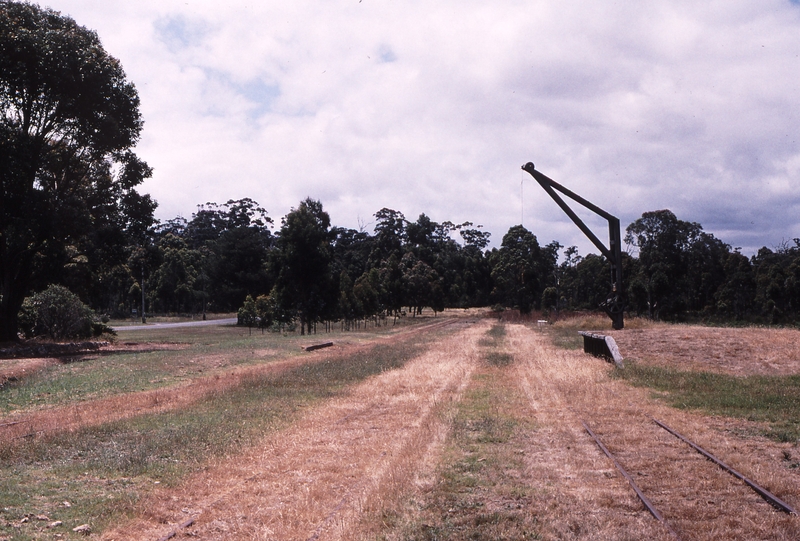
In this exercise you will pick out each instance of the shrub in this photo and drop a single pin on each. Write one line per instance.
(58, 313)
(247, 314)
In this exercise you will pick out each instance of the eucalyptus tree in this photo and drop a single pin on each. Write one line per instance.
(305, 284)
(522, 269)
(680, 268)
(68, 119)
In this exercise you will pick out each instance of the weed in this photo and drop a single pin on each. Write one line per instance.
(497, 332)
(493, 341)
(495, 358)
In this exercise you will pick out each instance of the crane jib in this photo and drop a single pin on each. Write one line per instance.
(614, 303)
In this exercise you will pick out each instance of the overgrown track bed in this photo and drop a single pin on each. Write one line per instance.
(314, 479)
(713, 488)
(586, 496)
(95, 472)
(126, 405)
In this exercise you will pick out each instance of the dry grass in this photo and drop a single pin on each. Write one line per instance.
(481, 491)
(313, 480)
(128, 405)
(596, 321)
(735, 351)
(478, 438)
(174, 397)
(12, 370)
(103, 469)
(585, 498)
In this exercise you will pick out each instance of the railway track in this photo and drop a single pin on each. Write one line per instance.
(696, 498)
(640, 468)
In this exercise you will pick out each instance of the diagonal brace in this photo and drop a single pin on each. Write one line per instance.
(613, 305)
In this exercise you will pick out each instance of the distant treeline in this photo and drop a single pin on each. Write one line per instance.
(229, 256)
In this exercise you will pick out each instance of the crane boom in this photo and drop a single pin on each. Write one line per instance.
(614, 303)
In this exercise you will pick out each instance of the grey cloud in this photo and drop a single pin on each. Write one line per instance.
(434, 107)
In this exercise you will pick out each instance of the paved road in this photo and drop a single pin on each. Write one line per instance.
(226, 321)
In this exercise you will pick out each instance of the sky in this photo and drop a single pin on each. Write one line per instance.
(433, 107)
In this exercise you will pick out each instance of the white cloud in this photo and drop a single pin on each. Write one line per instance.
(433, 107)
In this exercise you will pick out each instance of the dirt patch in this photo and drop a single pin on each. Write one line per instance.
(16, 369)
(734, 351)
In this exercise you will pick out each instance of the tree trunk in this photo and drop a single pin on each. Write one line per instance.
(10, 303)
(8, 324)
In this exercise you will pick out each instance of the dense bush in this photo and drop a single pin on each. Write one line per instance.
(58, 313)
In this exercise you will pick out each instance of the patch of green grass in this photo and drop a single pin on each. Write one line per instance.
(103, 471)
(564, 337)
(204, 350)
(497, 358)
(481, 493)
(774, 399)
(493, 343)
(497, 331)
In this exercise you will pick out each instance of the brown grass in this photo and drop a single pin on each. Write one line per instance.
(584, 497)
(13, 427)
(125, 406)
(480, 490)
(314, 479)
(17, 369)
(734, 351)
(372, 464)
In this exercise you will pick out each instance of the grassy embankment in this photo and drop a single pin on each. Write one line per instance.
(97, 474)
(771, 399)
(774, 400)
(480, 493)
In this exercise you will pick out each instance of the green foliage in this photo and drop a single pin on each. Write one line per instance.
(59, 314)
(247, 314)
(173, 282)
(550, 298)
(259, 312)
(304, 281)
(69, 118)
(521, 269)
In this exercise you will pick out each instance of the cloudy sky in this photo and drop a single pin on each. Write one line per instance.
(433, 107)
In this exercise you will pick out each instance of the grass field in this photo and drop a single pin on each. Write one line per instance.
(746, 373)
(102, 470)
(439, 428)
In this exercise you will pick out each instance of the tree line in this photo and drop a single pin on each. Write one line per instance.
(231, 257)
(71, 216)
